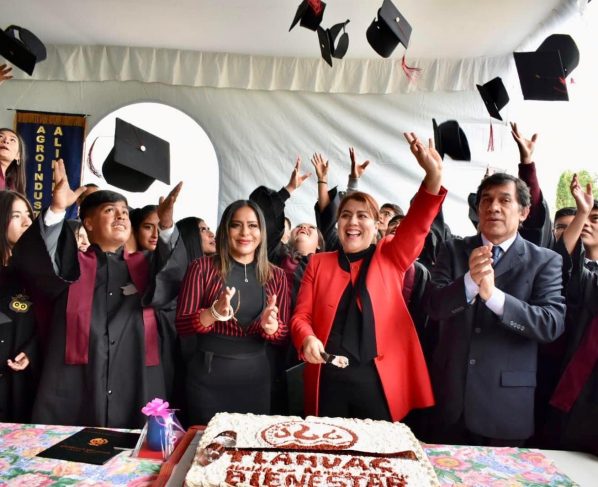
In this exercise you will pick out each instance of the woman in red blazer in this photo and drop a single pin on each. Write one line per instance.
(351, 300)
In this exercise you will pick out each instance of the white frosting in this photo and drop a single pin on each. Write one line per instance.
(327, 467)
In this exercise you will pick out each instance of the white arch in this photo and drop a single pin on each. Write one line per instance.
(192, 158)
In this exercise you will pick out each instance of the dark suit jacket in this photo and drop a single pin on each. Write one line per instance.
(484, 366)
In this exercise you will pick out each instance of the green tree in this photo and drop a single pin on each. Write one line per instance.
(563, 195)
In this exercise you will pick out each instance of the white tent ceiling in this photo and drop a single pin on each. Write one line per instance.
(441, 28)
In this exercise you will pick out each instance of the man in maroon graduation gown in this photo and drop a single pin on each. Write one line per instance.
(102, 360)
(573, 418)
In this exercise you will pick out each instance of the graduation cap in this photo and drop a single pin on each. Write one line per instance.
(542, 73)
(388, 29)
(495, 96)
(137, 159)
(450, 139)
(327, 39)
(22, 48)
(310, 13)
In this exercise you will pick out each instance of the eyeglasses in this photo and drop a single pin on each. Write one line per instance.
(387, 213)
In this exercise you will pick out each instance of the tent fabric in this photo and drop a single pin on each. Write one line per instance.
(224, 70)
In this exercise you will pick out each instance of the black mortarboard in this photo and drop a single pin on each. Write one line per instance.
(22, 48)
(495, 96)
(327, 39)
(450, 139)
(567, 49)
(388, 29)
(309, 15)
(137, 159)
(99, 198)
(542, 73)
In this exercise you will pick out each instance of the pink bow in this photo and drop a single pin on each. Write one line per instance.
(157, 407)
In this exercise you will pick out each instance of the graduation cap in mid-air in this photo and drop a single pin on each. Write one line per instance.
(329, 47)
(495, 96)
(22, 48)
(388, 30)
(137, 159)
(543, 72)
(310, 13)
(450, 139)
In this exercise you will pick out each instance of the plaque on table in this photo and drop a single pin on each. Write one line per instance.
(91, 445)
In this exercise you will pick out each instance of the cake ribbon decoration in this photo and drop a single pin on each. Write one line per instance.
(163, 427)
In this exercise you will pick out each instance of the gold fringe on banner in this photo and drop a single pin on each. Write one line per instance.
(68, 119)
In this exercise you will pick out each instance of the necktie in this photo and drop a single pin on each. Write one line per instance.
(496, 253)
(592, 265)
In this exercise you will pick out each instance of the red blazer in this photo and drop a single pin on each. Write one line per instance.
(400, 361)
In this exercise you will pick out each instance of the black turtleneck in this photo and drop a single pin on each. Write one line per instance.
(251, 293)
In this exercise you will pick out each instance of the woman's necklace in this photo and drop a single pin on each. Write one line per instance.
(245, 267)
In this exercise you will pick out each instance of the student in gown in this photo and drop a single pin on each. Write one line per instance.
(18, 343)
(102, 360)
(573, 413)
(233, 303)
(144, 227)
(350, 303)
(12, 161)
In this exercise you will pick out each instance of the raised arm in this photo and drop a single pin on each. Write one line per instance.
(537, 227)
(584, 202)
(272, 204)
(424, 207)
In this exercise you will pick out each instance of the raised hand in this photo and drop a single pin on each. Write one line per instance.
(20, 362)
(583, 200)
(5, 71)
(526, 146)
(429, 159)
(62, 195)
(356, 169)
(269, 321)
(321, 166)
(297, 178)
(166, 207)
(312, 350)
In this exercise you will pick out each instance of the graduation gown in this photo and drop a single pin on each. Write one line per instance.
(577, 429)
(115, 383)
(17, 334)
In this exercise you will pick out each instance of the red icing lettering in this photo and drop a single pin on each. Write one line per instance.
(255, 479)
(314, 480)
(283, 458)
(283, 433)
(332, 435)
(300, 435)
(236, 456)
(292, 481)
(272, 479)
(233, 477)
(377, 464)
(311, 459)
(259, 459)
(356, 462)
(330, 462)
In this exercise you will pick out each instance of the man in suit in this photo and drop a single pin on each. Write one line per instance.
(496, 296)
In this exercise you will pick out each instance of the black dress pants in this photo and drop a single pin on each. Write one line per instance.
(353, 392)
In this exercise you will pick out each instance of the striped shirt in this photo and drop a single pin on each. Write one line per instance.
(202, 286)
